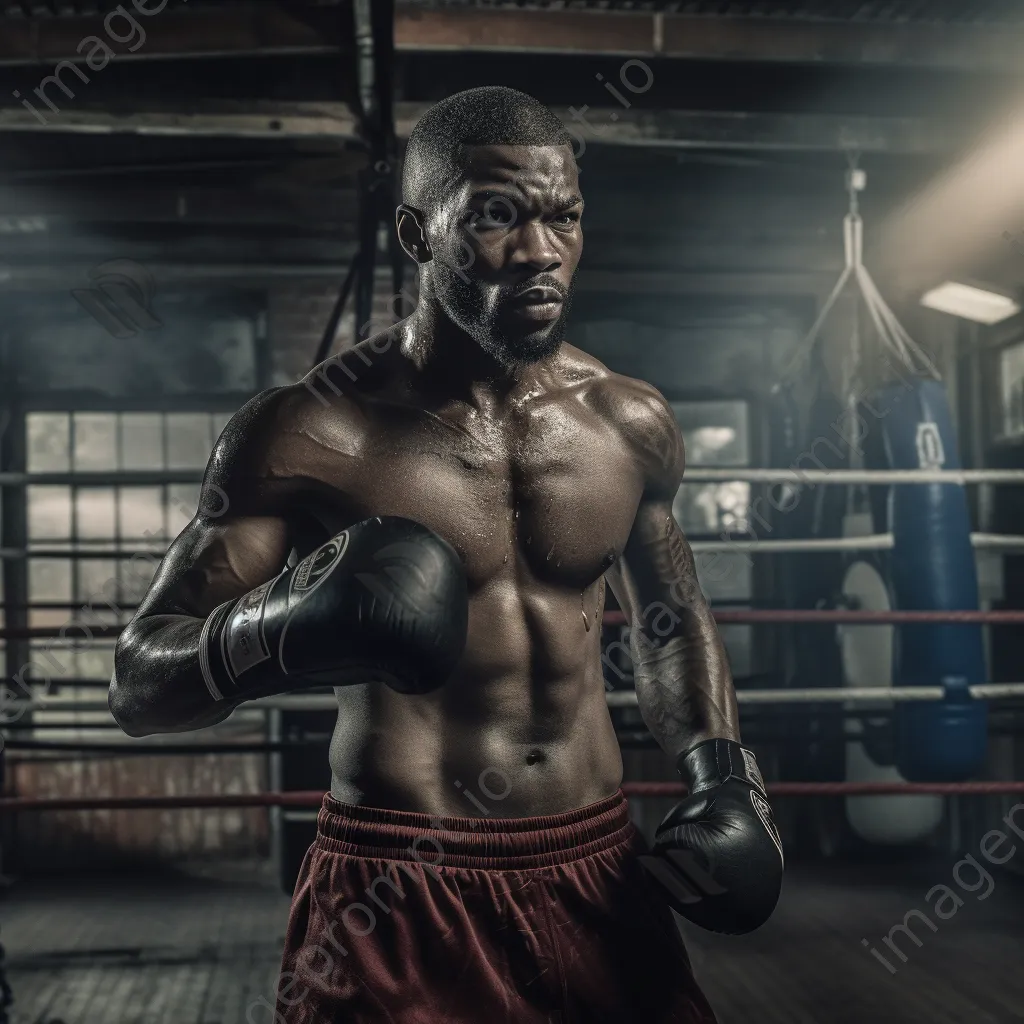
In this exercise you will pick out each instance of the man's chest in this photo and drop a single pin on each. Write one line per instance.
(553, 494)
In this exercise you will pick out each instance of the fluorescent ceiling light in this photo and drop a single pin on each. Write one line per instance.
(977, 304)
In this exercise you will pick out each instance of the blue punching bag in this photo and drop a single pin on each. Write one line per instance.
(932, 568)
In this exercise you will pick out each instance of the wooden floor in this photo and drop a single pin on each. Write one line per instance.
(181, 949)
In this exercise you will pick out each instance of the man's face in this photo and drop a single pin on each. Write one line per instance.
(510, 242)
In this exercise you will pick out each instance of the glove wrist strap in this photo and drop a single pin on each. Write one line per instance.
(211, 658)
(715, 761)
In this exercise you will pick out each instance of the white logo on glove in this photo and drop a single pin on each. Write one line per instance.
(315, 568)
(764, 812)
(752, 770)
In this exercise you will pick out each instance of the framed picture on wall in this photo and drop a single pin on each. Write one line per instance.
(1010, 381)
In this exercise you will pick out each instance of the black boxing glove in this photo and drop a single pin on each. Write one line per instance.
(717, 855)
(385, 599)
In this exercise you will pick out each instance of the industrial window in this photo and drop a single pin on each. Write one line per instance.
(94, 543)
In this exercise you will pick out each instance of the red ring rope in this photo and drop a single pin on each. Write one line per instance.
(313, 798)
(298, 798)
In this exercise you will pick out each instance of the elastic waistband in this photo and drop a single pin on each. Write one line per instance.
(488, 843)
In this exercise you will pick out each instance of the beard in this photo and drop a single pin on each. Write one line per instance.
(492, 328)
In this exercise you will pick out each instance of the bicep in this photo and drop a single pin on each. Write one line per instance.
(656, 566)
(212, 561)
(225, 554)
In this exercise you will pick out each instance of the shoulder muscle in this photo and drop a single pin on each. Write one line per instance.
(648, 425)
(250, 461)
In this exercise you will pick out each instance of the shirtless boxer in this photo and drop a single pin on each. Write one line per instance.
(455, 493)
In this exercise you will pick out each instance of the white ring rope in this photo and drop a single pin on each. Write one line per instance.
(810, 695)
(871, 542)
(872, 695)
(878, 695)
(801, 477)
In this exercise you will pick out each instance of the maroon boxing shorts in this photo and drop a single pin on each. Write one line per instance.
(413, 919)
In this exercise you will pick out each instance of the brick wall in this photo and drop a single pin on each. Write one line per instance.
(298, 313)
(54, 841)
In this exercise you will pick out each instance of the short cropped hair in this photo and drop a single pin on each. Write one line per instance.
(492, 115)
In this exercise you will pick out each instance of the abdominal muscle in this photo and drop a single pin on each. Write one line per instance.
(495, 740)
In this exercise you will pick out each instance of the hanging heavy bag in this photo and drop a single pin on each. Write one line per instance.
(933, 567)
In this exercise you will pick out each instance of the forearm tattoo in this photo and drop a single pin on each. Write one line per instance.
(682, 677)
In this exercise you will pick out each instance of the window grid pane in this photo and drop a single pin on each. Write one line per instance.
(49, 442)
(94, 441)
(142, 440)
(190, 439)
(93, 592)
(49, 514)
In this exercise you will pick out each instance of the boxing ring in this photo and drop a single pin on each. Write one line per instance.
(35, 728)
(923, 712)
(16, 713)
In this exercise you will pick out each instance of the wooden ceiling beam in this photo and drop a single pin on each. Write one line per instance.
(687, 37)
(247, 29)
(607, 126)
(177, 32)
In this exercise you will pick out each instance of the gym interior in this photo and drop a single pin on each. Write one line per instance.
(804, 225)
